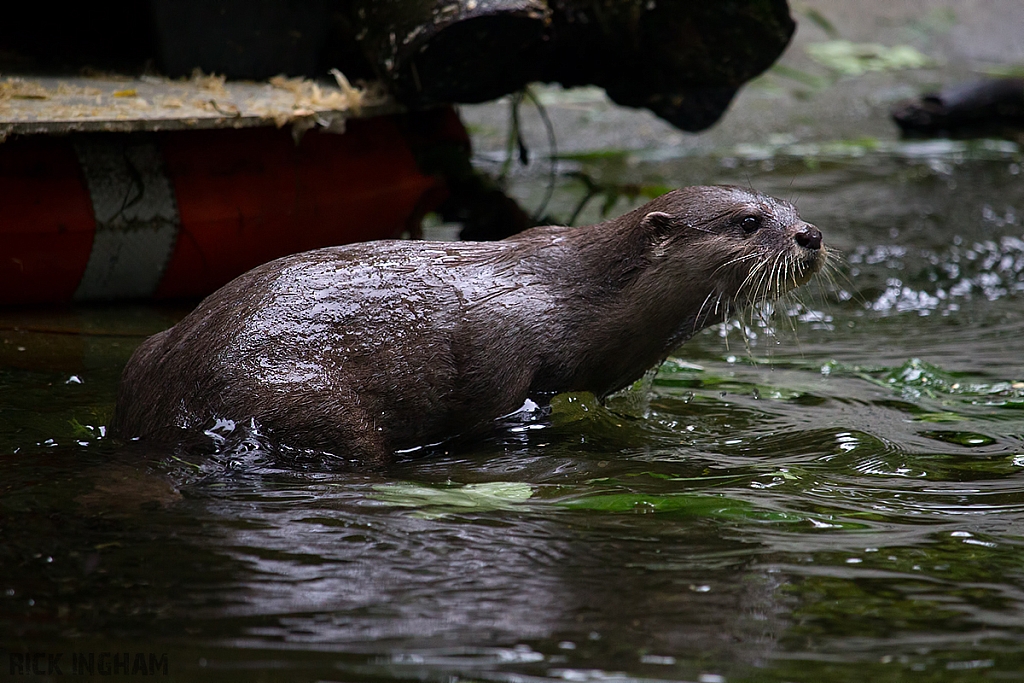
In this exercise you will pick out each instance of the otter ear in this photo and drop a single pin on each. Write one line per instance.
(656, 224)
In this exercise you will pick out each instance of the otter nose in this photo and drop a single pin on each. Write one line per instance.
(809, 237)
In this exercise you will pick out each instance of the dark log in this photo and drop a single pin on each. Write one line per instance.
(435, 51)
(684, 60)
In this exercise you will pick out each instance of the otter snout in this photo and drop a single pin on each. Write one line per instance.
(808, 237)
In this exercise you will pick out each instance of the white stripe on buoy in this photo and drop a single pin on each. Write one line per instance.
(136, 216)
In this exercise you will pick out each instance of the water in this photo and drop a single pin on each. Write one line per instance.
(842, 500)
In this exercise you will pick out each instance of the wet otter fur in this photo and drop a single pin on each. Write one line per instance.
(367, 349)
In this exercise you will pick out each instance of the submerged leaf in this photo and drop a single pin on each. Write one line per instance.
(495, 495)
(687, 504)
(639, 502)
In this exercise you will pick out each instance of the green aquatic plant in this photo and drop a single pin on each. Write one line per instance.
(821, 21)
(688, 504)
(918, 378)
(87, 431)
(1003, 70)
(812, 81)
(611, 193)
(515, 146)
(434, 502)
(855, 59)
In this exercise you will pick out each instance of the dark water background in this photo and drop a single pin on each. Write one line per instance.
(840, 501)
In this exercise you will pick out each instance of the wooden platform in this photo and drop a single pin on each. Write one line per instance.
(41, 105)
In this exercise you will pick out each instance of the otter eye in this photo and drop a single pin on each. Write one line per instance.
(750, 224)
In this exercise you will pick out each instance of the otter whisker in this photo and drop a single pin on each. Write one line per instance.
(777, 276)
(747, 286)
(781, 268)
(760, 265)
(765, 277)
(828, 275)
(738, 259)
(725, 322)
(764, 282)
(748, 289)
(723, 304)
(793, 301)
(746, 327)
(694, 227)
(761, 288)
(697, 322)
(700, 320)
(832, 271)
(791, 323)
(764, 288)
(779, 285)
(754, 297)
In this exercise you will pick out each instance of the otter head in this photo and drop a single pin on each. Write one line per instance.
(748, 247)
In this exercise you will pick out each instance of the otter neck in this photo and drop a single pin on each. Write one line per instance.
(640, 309)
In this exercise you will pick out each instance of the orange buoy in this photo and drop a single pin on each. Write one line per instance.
(46, 224)
(110, 216)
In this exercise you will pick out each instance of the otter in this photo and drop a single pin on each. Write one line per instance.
(369, 349)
